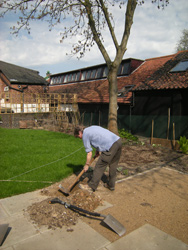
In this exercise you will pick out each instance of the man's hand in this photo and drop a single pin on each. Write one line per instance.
(88, 160)
(86, 167)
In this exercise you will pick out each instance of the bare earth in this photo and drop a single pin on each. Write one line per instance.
(152, 187)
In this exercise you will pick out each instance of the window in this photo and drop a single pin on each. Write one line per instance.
(83, 75)
(69, 77)
(93, 73)
(88, 74)
(119, 70)
(181, 66)
(125, 69)
(74, 77)
(99, 73)
(62, 78)
(105, 72)
(59, 79)
(55, 80)
(7, 96)
(52, 81)
(78, 76)
(65, 79)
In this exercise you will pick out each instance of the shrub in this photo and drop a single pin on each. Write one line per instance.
(183, 142)
(127, 135)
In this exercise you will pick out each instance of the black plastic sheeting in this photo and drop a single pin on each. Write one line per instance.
(163, 126)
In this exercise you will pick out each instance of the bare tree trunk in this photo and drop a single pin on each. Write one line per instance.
(112, 113)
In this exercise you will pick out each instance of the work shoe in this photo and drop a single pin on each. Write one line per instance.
(86, 187)
(107, 186)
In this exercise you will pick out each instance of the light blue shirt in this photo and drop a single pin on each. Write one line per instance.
(100, 138)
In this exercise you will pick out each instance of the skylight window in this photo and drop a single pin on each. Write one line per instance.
(181, 66)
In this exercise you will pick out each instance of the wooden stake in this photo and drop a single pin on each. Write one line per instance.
(174, 141)
(152, 127)
(168, 123)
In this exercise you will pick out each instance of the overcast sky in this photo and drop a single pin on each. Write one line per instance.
(154, 33)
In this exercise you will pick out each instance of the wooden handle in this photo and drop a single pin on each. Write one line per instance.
(78, 177)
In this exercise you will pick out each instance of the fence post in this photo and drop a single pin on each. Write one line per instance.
(168, 123)
(174, 142)
(152, 127)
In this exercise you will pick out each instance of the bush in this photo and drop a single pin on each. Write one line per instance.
(183, 142)
(127, 135)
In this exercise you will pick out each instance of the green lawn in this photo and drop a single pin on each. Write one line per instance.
(35, 158)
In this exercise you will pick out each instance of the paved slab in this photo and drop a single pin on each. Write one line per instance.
(82, 238)
(147, 237)
(14, 205)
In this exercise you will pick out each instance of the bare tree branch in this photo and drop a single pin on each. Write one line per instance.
(111, 29)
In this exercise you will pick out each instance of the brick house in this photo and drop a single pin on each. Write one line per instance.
(16, 86)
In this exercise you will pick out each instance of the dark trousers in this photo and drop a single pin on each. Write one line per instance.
(110, 158)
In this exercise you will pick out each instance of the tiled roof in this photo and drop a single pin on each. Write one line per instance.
(87, 92)
(20, 75)
(153, 73)
(145, 71)
(162, 78)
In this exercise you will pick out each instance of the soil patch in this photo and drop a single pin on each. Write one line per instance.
(158, 197)
(57, 215)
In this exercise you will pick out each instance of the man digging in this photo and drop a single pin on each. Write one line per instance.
(106, 142)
